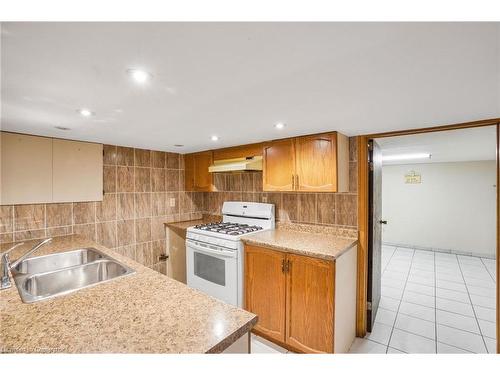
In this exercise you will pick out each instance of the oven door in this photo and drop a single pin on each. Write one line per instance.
(213, 270)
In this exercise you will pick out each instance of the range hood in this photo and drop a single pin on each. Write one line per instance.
(240, 164)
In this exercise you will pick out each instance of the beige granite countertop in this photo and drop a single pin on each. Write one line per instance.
(145, 312)
(318, 245)
(183, 225)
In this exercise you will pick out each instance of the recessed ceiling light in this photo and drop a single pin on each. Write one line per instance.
(279, 125)
(178, 145)
(405, 157)
(85, 112)
(138, 75)
(61, 128)
(214, 138)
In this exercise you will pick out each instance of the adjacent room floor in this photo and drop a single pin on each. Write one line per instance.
(433, 303)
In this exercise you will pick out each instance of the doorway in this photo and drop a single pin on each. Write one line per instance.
(437, 232)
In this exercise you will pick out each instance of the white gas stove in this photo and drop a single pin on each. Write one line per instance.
(215, 250)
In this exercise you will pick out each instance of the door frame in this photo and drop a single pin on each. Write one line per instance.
(363, 168)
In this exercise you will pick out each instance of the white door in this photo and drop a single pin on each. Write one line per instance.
(213, 271)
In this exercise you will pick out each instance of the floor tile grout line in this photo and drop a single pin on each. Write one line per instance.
(488, 270)
(389, 261)
(474, 311)
(397, 311)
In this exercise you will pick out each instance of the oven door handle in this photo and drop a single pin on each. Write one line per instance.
(207, 250)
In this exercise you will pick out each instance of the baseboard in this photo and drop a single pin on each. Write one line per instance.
(438, 250)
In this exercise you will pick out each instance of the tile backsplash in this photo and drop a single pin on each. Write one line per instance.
(143, 189)
(332, 209)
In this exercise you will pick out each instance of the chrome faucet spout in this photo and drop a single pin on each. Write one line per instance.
(6, 266)
(35, 248)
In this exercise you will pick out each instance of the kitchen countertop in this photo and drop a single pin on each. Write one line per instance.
(145, 312)
(183, 225)
(318, 245)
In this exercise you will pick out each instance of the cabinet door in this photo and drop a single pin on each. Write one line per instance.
(265, 290)
(77, 171)
(316, 163)
(309, 304)
(202, 177)
(26, 169)
(278, 165)
(189, 172)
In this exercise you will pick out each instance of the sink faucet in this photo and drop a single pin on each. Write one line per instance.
(6, 266)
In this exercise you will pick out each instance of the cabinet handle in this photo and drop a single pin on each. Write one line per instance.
(288, 265)
(293, 182)
(297, 181)
(283, 265)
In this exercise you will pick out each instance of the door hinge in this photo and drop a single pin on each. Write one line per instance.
(371, 165)
(369, 306)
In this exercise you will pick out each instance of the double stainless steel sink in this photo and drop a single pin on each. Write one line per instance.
(48, 276)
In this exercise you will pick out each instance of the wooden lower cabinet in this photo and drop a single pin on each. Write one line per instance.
(309, 304)
(265, 290)
(294, 297)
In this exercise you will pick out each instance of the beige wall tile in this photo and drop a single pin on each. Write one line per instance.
(160, 267)
(143, 230)
(109, 152)
(159, 248)
(142, 205)
(84, 212)
(29, 235)
(6, 219)
(158, 228)
(306, 208)
(289, 208)
(106, 209)
(182, 181)
(325, 208)
(109, 179)
(144, 253)
(185, 202)
(172, 160)
(125, 206)
(106, 234)
(247, 181)
(124, 156)
(125, 230)
(158, 159)
(142, 158)
(124, 179)
(172, 180)
(353, 149)
(257, 181)
(7, 237)
(219, 181)
(158, 204)
(29, 216)
(59, 214)
(59, 231)
(158, 180)
(85, 230)
(346, 209)
(353, 177)
(142, 179)
(234, 182)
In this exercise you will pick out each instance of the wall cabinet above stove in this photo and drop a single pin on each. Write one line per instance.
(314, 163)
(197, 177)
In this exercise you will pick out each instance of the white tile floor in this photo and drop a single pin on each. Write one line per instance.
(433, 303)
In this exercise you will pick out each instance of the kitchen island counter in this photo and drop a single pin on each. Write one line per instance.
(145, 312)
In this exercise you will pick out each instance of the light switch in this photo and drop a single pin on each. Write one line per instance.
(264, 199)
(172, 202)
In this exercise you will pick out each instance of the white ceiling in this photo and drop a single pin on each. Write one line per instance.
(473, 144)
(236, 80)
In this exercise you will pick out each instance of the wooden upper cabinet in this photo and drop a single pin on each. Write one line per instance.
(26, 169)
(278, 165)
(316, 163)
(310, 304)
(197, 177)
(265, 290)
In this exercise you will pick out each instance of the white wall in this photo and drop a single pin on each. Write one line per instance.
(453, 208)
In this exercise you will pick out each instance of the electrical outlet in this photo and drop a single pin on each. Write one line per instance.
(172, 202)
(264, 199)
